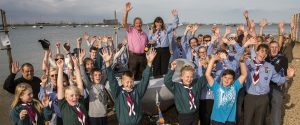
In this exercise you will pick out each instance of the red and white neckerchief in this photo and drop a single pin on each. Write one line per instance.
(191, 98)
(80, 115)
(31, 113)
(256, 72)
(130, 104)
(158, 36)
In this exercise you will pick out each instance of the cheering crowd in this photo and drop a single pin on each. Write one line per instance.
(238, 77)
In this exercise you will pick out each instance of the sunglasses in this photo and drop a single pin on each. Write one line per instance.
(58, 59)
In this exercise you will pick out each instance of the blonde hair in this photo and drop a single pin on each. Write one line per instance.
(72, 88)
(20, 89)
(187, 68)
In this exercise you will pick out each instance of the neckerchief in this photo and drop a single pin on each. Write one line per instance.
(158, 36)
(130, 103)
(80, 115)
(31, 112)
(256, 73)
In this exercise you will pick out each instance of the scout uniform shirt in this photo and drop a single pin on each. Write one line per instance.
(186, 98)
(33, 117)
(128, 104)
(266, 73)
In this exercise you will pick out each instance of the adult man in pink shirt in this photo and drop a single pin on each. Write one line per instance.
(137, 40)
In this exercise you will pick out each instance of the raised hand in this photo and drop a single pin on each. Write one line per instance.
(44, 80)
(93, 39)
(246, 14)
(128, 7)
(174, 12)
(194, 28)
(86, 37)
(251, 41)
(217, 30)
(15, 68)
(82, 54)
(60, 63)
(106, 56)
(79, 41)
(227, 30)
(252, 24)
(57, 45)
(189, 27)
(105, 38)
(150, 56)
(22, 114)
(173, 65)
(75, 61)
(281, 27)
(291, 72)
(45, 100)
(263, 22)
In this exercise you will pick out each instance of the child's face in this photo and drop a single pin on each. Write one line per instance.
(127, 83)
(187, 77)
(27, 96)
(97, 77)
(227, 80)
(72, 97)
(261, 54)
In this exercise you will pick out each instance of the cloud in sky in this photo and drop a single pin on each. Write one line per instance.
(201, 11)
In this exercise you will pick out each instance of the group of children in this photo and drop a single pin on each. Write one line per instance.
(72, 89)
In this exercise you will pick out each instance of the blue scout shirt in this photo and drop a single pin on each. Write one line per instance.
(267, 73)
(224, 108)
(187, 49)
(163, 41)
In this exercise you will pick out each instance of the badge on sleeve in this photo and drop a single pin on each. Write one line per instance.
(267, 69)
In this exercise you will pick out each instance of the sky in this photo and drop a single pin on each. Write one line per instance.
(192, 11)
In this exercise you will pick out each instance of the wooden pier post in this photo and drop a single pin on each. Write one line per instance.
(5, 30)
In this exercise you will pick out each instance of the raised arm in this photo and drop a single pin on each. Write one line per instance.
(246, 15)
(208, 75)
(143, 85)
(174, 23)
(77, 74)
(262, 25)
(243, 67)
(113, 82)
(45, 64)
(60, 87)
(128, 7)
(280, 33)
(194, 29)
(10, 84)
(168, 78)
(57, 46)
